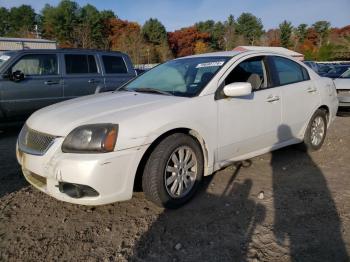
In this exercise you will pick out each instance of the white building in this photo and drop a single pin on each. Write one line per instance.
(25, 43)
(280, 50)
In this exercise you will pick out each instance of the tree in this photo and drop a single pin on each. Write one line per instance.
(183, 42)
(75, 26)
(154, 32)
(309, 46)
(216, 30)
(126, 36)
(19, 21)
(301, 32)
(273, 37)
(322, 28)
(164, 52)
(155, 35)
(286, 29)
(91, 22)
(201, 47)
(4, 21)
(230, 36)
(59, 22)
(250, 27)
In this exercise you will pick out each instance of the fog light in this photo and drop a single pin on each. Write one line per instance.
(76, 190)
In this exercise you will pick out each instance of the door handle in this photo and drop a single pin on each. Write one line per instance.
(272, 98)
(311, 90)
(49, 82)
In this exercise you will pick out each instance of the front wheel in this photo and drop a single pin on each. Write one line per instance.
(316, 131)
(173, 171)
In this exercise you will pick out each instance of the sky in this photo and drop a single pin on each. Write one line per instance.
(175, 14)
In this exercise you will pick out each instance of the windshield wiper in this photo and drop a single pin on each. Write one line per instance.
(151, 90)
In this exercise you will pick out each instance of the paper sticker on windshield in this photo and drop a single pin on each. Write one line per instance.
(4, 57)
(211, 64)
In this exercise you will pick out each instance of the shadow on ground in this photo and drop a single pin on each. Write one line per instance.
(305, 222)
(11, 178)
(305, 213)
(191, 233)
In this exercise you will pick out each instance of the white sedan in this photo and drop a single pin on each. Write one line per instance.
(174, 124)
(342, 85)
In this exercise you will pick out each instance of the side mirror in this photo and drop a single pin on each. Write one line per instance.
(17, 76)
(238, 89)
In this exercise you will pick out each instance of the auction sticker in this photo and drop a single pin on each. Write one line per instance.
(211, 64)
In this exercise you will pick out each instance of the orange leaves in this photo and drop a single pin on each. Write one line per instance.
(183, 42)
(201, 47)
(120, 30)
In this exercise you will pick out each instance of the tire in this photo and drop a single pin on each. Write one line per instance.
(318, 122)
(161, 168)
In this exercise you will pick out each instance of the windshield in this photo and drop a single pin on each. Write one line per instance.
(182, 77)
(3, 58)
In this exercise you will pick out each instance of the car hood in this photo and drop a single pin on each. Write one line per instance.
(112, 107)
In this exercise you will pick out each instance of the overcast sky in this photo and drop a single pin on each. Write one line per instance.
(175, 14)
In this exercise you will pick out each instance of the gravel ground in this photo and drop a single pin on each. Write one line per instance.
(282, 206)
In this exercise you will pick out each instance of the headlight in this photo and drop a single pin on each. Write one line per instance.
(97, 138)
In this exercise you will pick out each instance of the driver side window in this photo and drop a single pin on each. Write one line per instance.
(251, 70)
(39, 64)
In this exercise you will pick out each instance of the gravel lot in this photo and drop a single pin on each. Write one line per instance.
(284, 206)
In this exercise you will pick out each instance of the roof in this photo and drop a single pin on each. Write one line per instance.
(61, 50)
(36, 40)
(277, 49)
(8, 43)
(223, 53)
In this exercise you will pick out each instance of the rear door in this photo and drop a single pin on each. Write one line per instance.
(300, 95)
(117, 70)
(82, 75)
(40, 87)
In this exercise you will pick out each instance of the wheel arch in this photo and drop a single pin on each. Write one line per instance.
(325, 108)
(193, 133)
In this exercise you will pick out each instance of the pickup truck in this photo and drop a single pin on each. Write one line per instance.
(33, 79)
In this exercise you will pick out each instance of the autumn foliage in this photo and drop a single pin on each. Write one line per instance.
(187, 41)
(87, 27)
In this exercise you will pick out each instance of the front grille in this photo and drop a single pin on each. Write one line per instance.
(34, 142)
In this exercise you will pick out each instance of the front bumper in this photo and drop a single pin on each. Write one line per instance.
(110, 174)
(344, 98)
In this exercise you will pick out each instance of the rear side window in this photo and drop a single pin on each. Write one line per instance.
(114, 65)
(289, 72)
(37, 64)
(80, 64)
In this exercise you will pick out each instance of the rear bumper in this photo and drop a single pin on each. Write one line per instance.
(111, 174)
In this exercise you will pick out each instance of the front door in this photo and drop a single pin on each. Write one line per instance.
(248, 124)
(40, 87)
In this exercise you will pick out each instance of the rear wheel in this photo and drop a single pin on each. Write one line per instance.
(173, 171)
(316, 131)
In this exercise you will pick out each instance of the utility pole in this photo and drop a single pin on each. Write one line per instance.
(148, 56)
